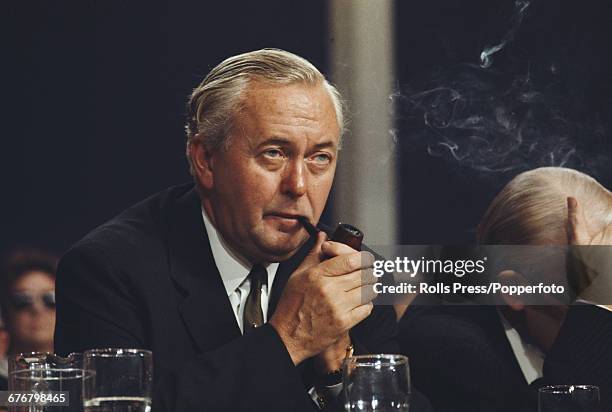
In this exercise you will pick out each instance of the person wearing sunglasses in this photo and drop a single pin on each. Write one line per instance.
(28, 300)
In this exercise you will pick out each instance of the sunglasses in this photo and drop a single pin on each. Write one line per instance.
(21, 300)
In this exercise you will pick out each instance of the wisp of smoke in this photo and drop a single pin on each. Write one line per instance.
(520, 10)
(499, 120)
(493, 123)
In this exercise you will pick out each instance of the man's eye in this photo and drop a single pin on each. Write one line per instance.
(322, 158)
(273, 153)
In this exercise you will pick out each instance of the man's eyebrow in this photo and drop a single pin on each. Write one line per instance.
(282, 141)
(325, 145)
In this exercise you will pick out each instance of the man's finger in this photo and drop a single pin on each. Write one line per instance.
(361, 296)
(332, 249)
(360, 313)
(345, 264)
(576, 226)
(353, 280)
(346, 301)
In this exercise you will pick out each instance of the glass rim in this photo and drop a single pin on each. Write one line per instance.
(112, 352)
(74, 373)
(30, 360)
(28, 355)
(561, 389)
(383, 359)
(38, 354)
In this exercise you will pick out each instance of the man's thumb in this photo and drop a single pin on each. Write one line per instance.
(315, 256)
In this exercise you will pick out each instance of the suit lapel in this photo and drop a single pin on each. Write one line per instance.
(205, 308)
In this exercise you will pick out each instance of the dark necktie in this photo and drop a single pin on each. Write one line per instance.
(253, 315)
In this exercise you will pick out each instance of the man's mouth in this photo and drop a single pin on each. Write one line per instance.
(286, 215)
(286, 220)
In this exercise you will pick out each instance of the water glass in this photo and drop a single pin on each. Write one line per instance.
(568, 398)
(40, 372)
(376, 383)
(122, 380)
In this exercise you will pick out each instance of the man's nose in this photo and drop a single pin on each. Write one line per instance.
(295, 179)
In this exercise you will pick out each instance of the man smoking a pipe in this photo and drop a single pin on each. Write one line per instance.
(242, 309)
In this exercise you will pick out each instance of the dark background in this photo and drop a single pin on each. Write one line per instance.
(94, 92)
(564, 46)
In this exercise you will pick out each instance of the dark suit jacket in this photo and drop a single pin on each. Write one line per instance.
(462, 360)
(147, 279)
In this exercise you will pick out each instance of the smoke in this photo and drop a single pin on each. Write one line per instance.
(490, 125)
(499, 118)
(520, 10)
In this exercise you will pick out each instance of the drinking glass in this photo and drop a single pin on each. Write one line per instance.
(122, 380)
(45, 372)
(376, 383)
(568, 398)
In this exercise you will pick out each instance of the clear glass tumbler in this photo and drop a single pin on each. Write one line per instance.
(376, 383)
(37, 373)
(121, 381)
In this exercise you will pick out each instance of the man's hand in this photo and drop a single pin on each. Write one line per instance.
(323, 299)
(596, 264)
(579, 232)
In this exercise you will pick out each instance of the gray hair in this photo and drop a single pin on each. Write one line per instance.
(213, 103)
(532, 207)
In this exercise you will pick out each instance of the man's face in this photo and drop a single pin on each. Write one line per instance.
(280, 164)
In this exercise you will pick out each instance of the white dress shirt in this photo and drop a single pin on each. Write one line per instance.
(529, 357)
(234, 271)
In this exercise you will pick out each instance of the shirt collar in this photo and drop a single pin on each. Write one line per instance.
(232, 267)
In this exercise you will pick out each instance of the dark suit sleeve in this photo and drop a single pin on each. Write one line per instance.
(377, 333)
(582, 352)
(95, 307)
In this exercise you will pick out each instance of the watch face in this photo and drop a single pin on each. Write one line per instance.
(333, 378)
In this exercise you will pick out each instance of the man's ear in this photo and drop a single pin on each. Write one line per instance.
(508, 278)
(202, 163)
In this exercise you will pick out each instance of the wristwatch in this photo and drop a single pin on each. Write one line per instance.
(335, 377)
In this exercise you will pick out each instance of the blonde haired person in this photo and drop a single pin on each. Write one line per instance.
(497, 358)
(533, 208)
